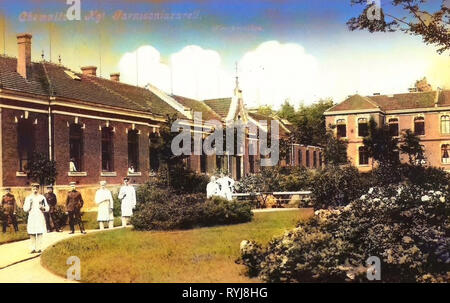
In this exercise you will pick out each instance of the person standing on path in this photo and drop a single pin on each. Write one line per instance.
(9, 206)
(35, 205)
(127, 195)
(50, 216)
(105, 202)
(74, 203)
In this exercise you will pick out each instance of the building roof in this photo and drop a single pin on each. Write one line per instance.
(198, 106)
(220, 106)
(386, 103)
(53, 80)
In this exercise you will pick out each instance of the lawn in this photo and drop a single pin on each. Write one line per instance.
(198, 255)
(89, 220)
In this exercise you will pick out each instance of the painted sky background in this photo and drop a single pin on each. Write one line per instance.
(288, 49)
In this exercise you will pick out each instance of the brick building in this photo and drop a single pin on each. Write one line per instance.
(102, 127)
(425, 112)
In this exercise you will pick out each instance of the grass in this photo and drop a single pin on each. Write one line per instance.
(89, 220)
(199, 255)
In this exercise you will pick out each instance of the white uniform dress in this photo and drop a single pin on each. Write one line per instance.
(227, 185)
(212, 189)
(105, 202)
(36, 220)
(128, 196)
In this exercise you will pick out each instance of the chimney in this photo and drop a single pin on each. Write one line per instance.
(115, 77)
(24, 56)
(89, 70)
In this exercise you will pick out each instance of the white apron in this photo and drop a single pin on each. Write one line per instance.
(105, 202)
(128, 196)
(212, 189)
(36, 220)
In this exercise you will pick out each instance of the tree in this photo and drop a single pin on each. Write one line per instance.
(309, 123)
(287, 111)
(381, 146)
(411, 146)
(410, 17)
(265, 110)
(41, 169)
(335, 150)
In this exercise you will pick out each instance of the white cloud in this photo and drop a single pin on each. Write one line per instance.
(274, 72)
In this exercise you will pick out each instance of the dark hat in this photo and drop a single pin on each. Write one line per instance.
(50, 186)
(35, 184)
(126, 178)
(7, 188)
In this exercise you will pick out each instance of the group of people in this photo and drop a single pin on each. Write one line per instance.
(42, 210)
(221, 187)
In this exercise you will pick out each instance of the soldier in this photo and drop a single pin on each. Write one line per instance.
(74, 203)
(9, 210)
(36, 204)
(50, 216)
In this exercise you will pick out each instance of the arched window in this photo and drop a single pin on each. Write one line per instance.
(133, 150)
(76, 147)
(307, 158)
(107, 149)
(203, 163)
(251, 161)
(300, 158)
(445, 124)
(341, 128)
(25, 142)
(314, 159)
(393, 127)
(363, 127)
(445, 157)
(419, 126)
(363, 156)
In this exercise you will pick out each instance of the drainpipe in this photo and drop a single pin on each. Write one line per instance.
(50, 141)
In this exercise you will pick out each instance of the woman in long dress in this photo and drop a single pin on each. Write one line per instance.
(105, 202)
(36, 204)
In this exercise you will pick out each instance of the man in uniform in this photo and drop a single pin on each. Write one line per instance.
(50, 217)
(74, 203)
(9, 210)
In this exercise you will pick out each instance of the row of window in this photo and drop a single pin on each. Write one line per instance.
(393, 124)
(317, 158)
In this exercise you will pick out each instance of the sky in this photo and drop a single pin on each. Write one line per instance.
(296, 50)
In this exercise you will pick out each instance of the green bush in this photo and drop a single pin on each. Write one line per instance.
(406, 226)
(336, 186)
(162, 209)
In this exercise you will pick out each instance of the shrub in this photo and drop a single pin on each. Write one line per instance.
(406, 226)
(336, 186)
(163, 209)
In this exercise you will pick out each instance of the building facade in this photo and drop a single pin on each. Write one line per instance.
(102, 129)
(426, 113)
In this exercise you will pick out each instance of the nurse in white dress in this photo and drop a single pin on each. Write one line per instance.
(35, 205)
(105, 202)
(213, 188)
(227, 187)
(127, 195)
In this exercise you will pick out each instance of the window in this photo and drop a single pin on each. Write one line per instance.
(203, 164)
(76, 147)
(314, 159)
(219, 162)
(363, 156)
(393, 127)
(300, 158)
(288, 155)
(363, 127)
(341, 128)
(25, 140)
(307, 158)
(320, 160)
(445, 153)
(251, 160)
(445, 124)
(133, 150)
(419, 126)
(153, 153)
(107, 149)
